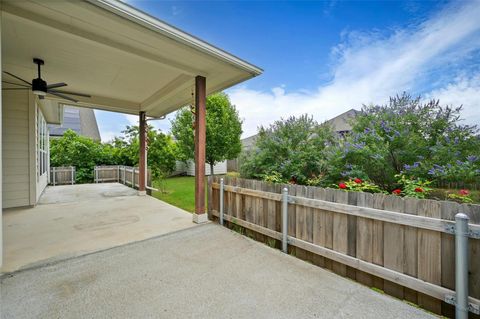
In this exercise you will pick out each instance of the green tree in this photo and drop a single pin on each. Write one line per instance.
(289, 148)
(161, 155)
(82, 152)
(223, 126)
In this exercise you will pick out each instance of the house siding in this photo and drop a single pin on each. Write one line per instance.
(15, 149)
(220, 168)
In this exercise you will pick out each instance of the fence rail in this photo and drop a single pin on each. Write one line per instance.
(126, 175)
(402, 246)
(62, 175)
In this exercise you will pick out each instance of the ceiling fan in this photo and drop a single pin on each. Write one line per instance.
(40, 86)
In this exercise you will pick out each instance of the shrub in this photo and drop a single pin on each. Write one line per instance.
(414, 187)
(359, 185)
(289, 148)
(463, 196)
(273, 177)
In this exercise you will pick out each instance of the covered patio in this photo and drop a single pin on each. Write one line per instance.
(75, 220)
(113, 57)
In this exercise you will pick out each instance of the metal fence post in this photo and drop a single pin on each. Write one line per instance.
(96, 174)
(221, 201)
(53, 175)
(284, 220)
(461, 266)
(73, 178)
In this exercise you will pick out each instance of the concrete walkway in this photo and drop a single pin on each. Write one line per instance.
(202, 272)
(73, 220)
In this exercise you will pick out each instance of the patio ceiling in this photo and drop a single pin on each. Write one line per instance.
(126, 60)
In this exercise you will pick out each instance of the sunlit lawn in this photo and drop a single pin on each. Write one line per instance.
(179, 191)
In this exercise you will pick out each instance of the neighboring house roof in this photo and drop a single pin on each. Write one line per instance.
(80, 120)
(341, 123)
(249, 142)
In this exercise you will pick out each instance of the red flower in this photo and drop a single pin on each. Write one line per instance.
(342, 185)
(396, 191)
(357, 180)
(419, 190)
(464, 192)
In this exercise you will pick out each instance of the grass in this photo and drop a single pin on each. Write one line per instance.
(179, 191)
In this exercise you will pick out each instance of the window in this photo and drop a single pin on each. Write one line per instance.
(42, 144)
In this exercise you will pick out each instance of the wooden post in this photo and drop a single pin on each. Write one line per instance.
(200, 140)
(142, 162)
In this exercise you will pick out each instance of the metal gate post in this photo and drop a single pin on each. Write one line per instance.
(221, 201)
(73, 177)
(54, 177)
(284, 220)
(461, 266)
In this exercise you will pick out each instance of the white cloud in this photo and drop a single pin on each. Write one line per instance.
(462, 91)
(132, 119)
(370, 67)
(107, 136)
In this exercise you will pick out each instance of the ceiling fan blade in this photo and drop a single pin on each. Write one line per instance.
(15, 88)
(56, 85)
(16, 77)
(16, 84)
(62, 96)
(68, 92)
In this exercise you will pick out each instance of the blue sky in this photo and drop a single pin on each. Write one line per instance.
(324, 58)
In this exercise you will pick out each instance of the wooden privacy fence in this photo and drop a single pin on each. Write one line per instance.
(126, 175)
(403, 246)
(62, 175)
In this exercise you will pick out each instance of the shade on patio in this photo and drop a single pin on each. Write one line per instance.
(124, 59)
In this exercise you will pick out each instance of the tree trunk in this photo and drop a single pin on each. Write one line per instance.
(211, 169)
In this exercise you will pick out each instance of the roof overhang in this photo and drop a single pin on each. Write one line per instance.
(125, 59)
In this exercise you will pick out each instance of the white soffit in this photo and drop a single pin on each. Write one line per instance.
(128, 61)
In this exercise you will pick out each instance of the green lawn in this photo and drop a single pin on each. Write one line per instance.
(179, 191)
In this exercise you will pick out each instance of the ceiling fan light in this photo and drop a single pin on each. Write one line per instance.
(38, 92)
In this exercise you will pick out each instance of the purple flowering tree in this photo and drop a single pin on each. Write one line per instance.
(410, 137)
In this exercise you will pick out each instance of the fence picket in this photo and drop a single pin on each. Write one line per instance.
(329, 196)
(352, 233)
(364, 240)
(292, 219)
(410, 249)
(319, 226)
(340, 232)
(393, 242)
(449, 210)
(429, 254)
(301, 225)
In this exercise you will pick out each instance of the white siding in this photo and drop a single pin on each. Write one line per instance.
(220, 168)
(15, 149)
(180, 168)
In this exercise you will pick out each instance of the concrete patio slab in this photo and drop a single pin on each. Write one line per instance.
(74, 220)
(202, 272)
